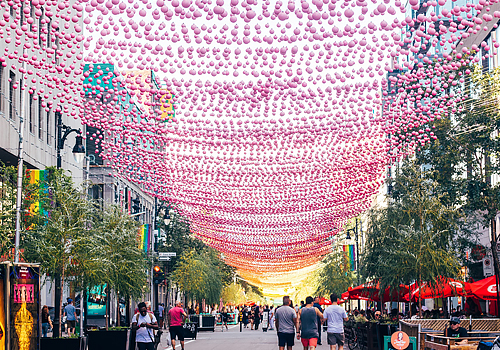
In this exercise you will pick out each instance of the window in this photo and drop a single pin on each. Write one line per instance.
(40, 27)
(21, 93)
(21, 13)
(12, 77)
(32, 25)
(32, 121)
(49, 43)
(1, 87)
(48, 128)
(40, 119)
(56, 54)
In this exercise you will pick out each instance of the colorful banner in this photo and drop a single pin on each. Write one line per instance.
(351, 255)
(145, 237)
(37, 177)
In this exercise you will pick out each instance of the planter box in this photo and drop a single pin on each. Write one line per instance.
(62, 343)
(367, 335)
(105, 340)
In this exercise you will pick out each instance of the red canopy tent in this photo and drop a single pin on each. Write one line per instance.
(444, 288)
(371, 291)
(485, 289)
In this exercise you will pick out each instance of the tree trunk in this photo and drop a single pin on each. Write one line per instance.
(61, 287)
(419, 296)
(118, 311)
(106, 291)
(495, 260)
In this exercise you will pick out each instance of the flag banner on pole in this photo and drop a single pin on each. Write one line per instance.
(38, 178)
(351, 255)
(145, 237)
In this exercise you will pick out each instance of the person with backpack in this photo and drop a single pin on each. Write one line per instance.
(144, 324)
(176, 316)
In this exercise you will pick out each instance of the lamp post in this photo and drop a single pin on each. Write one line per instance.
(348, 236)
(78, 149)
(63, 131)
(166, 219)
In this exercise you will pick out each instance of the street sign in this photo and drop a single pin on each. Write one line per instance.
(488, 266)
(166, 254)
(164, 258)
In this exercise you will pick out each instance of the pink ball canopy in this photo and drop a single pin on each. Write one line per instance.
(267, 125)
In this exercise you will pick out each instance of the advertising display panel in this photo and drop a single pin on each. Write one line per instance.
(24, 290)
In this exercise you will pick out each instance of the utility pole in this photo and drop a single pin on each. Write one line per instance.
(20, 165)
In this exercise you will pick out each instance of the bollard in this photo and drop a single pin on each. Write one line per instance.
(241, 326)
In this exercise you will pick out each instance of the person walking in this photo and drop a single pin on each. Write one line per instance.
(224, 317)
(176, 317)
(271, 318)
(335, 317)
(286, 324)
(70, 313)
(308, 323)
(317, 305)
(144, 323)
(161, 311)
(256, 317)
(46, 321)
(245, 317)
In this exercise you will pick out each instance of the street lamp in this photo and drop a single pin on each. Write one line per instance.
(348, 236)
(79, 155)
(78, 149)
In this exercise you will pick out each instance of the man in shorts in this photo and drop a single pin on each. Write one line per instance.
(70, 313)
(176, 316)
(335, 315)
(286, 324)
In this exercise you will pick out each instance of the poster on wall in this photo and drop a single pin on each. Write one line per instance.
(24, 307)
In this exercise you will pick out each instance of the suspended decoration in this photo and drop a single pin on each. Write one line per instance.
(268, 124)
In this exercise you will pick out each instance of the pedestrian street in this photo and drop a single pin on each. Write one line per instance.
(231, 339)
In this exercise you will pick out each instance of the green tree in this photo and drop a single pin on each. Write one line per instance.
(415, 237)
(8, 192)
(201, 275)
(178, 237)
(118, 261)
(334, 274)
(60, 236)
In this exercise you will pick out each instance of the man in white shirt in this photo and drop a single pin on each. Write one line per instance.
(335, 315)
(144, 323)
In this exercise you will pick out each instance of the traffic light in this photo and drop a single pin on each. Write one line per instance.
(136, 206)
(158, 275)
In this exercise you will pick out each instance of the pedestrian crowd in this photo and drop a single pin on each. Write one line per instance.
(305, 323)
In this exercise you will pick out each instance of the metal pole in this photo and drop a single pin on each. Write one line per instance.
(57, 278)
(20, 166)
(357, 260)
(59, 137)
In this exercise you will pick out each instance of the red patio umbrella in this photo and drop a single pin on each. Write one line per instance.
(324, 301)
(371, 291)
(444, 288)
(485, 289)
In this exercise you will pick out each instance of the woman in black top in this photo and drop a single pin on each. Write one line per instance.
(256, 317)
(224, 316)
(46, 321)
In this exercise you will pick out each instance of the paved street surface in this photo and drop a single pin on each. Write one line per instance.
(233, 339)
